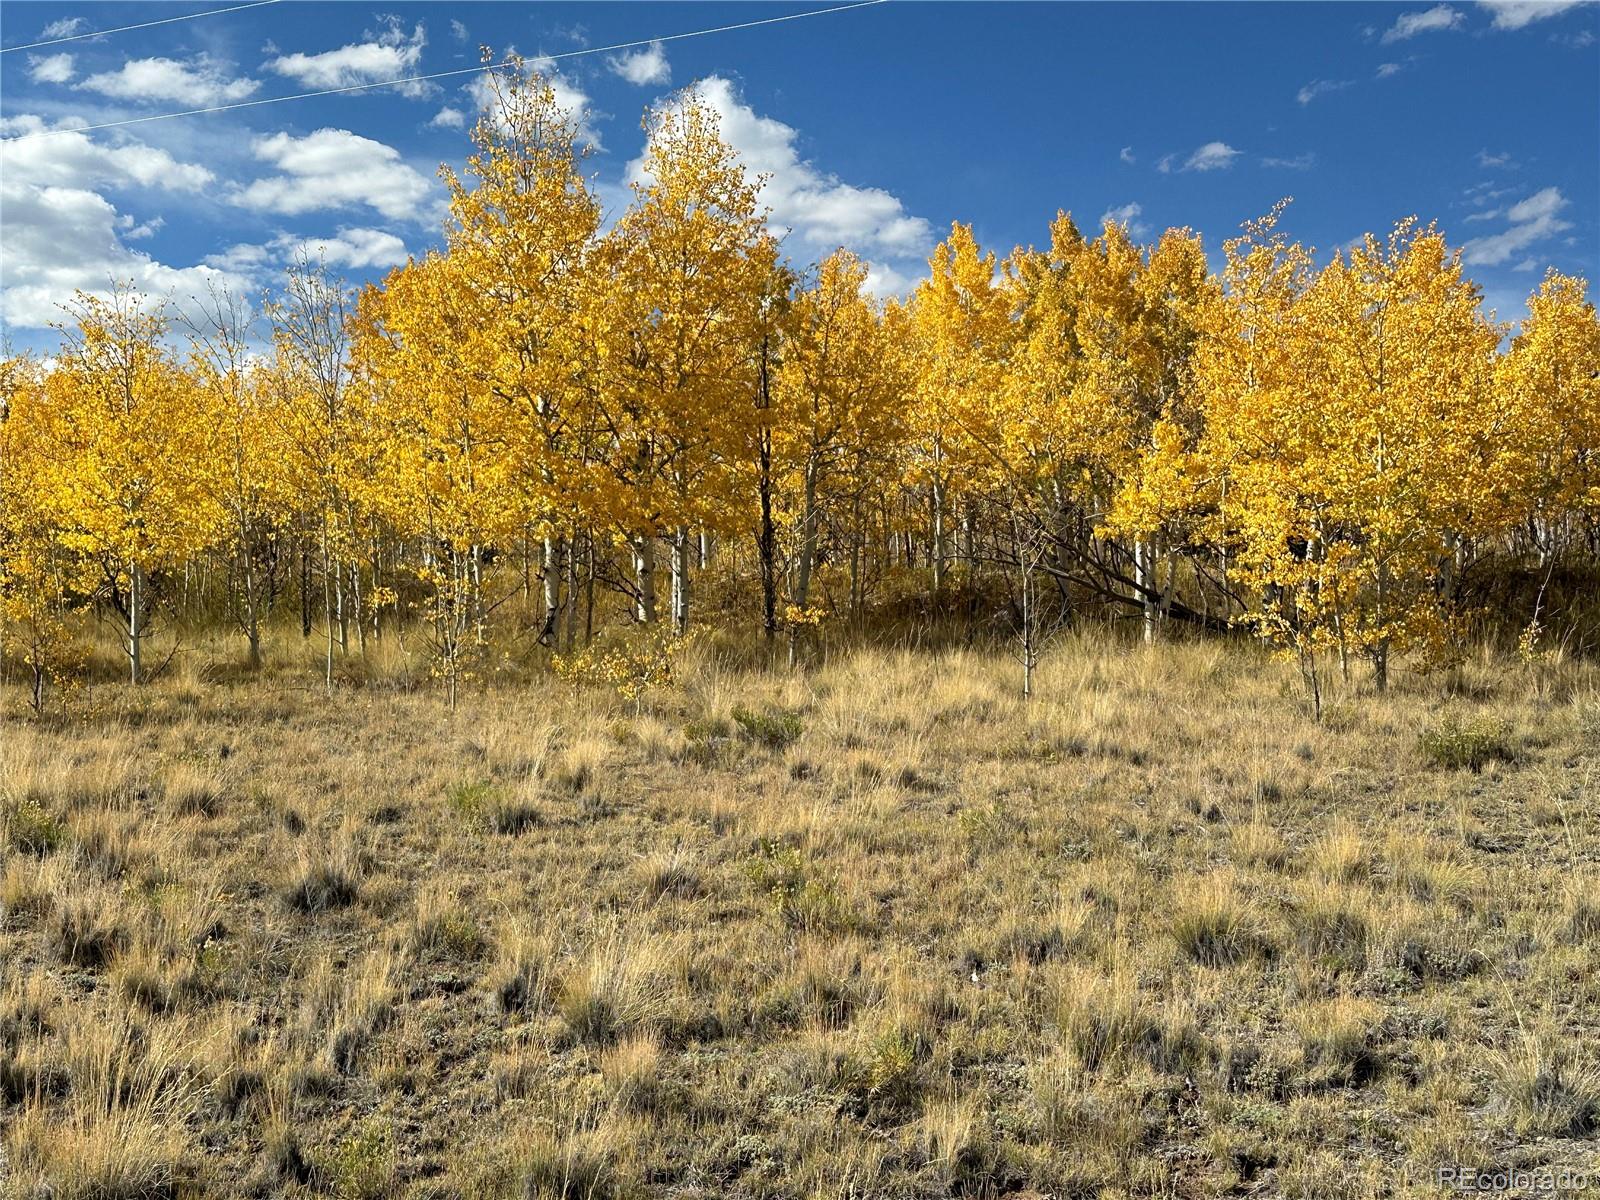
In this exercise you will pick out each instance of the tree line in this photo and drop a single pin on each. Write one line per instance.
(577, 418)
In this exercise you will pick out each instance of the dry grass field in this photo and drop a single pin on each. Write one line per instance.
(877, 930)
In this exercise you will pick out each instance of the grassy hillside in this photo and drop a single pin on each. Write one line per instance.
(878, 930)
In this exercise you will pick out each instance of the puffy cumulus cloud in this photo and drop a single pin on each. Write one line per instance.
(355, 249)
(1126, 155)
(1213, 156)
(1433, 20)
(64, 235)
(1126, 215)
(388, 53)
(1532, 220)
(1515, 14)
(149, 80)
(74, 160)
(60, 240)
(50, 68)
(448, 118)
(821, 211)
(641, 67)
(334, 168)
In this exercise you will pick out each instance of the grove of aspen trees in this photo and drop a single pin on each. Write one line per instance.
(624, 427)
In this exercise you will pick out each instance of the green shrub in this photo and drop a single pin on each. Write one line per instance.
(776, 729)
(1454, 744)
(363, 1166)
(30, 827)
(485, 806)
(800, 898)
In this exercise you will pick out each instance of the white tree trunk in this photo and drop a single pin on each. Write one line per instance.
(644, 566)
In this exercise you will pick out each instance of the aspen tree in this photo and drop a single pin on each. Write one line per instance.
(129, 488)
(522, 230)
(845, 378)
(240, 413)
(962, 329)
(688, 261)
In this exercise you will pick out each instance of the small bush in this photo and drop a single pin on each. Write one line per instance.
(1455, 744)
(485, 806)
(776, 730)
(443, 927)
(632, 1070)
(30, 828)
(363, 1165)
(799, 897)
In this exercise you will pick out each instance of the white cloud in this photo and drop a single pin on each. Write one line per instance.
(448, 118)
(73, 160)
(1526, 264)
(1300, 162)
(458, 31)
(821, 211)
(1432, 20)
(356, 248)
(1532, 220)
(884, 280)
(387, 54)
(1503, 159)
(1164, 165)
(64, 28)
(50, 68)
(60, 240)
(1385, 70)
(148, 80)
(1321, 87)
(1213, 156)
(1126, 155)
(63, 235)
(1126, 215)
(1515, 14)
(642, 67)
(334, 168)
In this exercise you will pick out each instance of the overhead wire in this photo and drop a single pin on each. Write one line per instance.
(381, 83)
(78, 37)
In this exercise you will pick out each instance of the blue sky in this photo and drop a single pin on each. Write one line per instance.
(879, 126)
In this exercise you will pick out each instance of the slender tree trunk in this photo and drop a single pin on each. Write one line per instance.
(938, 549)
(1144, 578)
(136, 607)
(680, 580)
(807, 555)
(305, 589)
(570, 633)
(644, 565)
(553, 567)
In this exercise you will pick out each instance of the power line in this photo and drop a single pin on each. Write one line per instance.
(142, 25)
(361, 87)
